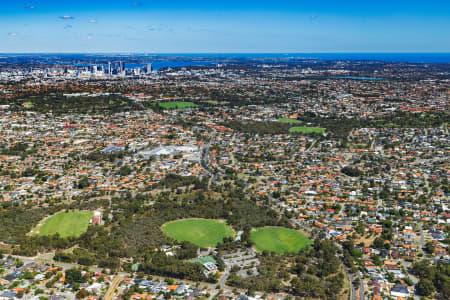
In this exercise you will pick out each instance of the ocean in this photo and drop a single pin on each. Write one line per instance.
(387, 57)
(176, 60)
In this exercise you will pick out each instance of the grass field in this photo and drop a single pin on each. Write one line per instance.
(215, 102)
(73, 223)
(302, 129)
(28, 104)
(177, 105)
(288, 120)
(358, 145)
(201, 232)
(203, 260)
(278, 239)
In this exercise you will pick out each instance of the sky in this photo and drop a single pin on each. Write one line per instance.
(230, 26)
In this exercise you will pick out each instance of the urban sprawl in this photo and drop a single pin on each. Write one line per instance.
(235, 179)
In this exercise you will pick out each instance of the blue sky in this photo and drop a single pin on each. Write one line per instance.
(161, 26)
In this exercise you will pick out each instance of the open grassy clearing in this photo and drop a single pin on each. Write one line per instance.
(215, 102)
(177, 105)
(28, 104)
(201, 232)
(72, 223)
(302, 129)
(279, 239)
(289, 121)
(358, 145)
(203, 260)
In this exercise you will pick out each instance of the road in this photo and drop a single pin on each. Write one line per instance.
(361, 286)
(233, 162)
(422, 238)
(222, 281)
(350, 278)
(413, 278)
(372, 145)
(121, 275)
(112, 288)
(350, 134)
(312, 145)
(224, 278)
(342, 211)
(28, 260)
(204, 157)
(349, 274)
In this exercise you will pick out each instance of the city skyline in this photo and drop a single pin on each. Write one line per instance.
(232, 27)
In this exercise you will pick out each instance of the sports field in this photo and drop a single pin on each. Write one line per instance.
(73, 223)
(201, 232)
(203, 260)
(288, 120)
(28, 104)
(278, 239)
(302, 129)
(177, 105)
(215, 102)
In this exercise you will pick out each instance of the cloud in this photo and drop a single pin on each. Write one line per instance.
(66, 17)
(67, 26)
(30, 7)
(93, 21)
(12, 34)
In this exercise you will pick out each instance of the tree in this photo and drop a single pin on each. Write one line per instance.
(38, 291)
(76, 286)
(429, 247)
(83, 182)
(82, 294)
(73, 276)
(28, 172)
(357, 282)
(423, 269)
(425, 287)
(352, 172)
(125, 170)
(377, 261)
(28, 275)
(360, 228)
(378, 243)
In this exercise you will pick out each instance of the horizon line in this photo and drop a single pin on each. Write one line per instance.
(200, 52)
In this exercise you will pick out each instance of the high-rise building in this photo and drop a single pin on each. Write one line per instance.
(121, 67)
(109, 68)
(149, 68)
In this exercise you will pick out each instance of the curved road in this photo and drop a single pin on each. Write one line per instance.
(112, 288)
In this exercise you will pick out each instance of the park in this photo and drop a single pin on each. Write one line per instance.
(288, 121)
(279, 239)
(201, 232)
(303, 129)
(66, 224)
(177, 105)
